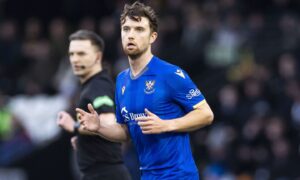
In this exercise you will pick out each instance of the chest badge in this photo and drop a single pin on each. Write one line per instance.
(149, 89)
(123, 90)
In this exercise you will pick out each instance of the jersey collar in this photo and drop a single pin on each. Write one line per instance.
(149, 69)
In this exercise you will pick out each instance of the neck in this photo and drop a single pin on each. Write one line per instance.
(139, 63)
(87, 76)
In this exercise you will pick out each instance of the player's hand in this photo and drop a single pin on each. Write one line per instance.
(65, 121)
(152, 124)
(74, 142)
(89, 120)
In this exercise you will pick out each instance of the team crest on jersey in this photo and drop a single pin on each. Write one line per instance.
(123, 90)
(149, 87)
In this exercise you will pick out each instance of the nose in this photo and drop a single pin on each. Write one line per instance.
(131, 35)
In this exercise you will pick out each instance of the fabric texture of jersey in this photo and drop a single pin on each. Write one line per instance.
(167, 91)
(94, 150)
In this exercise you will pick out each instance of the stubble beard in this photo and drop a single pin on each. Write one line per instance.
(133, 55)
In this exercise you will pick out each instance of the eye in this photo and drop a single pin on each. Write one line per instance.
(81, 53)
(126, 28)
(140, 29)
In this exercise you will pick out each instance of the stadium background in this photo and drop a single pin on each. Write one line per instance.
(243, 55)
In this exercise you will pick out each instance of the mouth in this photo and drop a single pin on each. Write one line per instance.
(77, 67)
(131, 45)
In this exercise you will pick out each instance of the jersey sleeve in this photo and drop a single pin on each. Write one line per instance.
(118, 110)
(102, 97)
(183, 90)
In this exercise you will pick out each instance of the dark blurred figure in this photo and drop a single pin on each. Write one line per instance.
(87, 23)
(107, 28)
(10, 51)
(36, 54)
(194, 37)
(284, 163)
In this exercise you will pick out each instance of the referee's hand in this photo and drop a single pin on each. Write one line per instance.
(65, 121)
(89, 120)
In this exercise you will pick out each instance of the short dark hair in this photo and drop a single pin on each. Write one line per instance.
(95, 39)
(138, 10)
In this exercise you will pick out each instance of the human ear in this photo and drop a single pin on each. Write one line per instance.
(153, 37)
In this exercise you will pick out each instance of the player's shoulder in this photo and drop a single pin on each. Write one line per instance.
(167, 69)
(123, 73)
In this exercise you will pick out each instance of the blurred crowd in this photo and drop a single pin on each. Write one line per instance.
(243, 55)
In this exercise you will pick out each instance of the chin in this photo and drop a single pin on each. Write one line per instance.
(78, 73)
(130, 52)
(133, 54)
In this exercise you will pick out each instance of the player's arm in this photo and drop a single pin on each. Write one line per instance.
(104, 125)
(199, 117)
(186, 93)
(195, 119)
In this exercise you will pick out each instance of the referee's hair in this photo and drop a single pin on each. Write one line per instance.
(95, 39)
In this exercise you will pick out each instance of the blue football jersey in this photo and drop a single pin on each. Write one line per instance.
(167, 91)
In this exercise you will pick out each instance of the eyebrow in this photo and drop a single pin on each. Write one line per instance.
(76, 52)
(127, 26)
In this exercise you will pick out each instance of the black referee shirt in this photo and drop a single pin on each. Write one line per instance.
(93, 150)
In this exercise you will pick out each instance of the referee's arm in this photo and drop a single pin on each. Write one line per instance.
(65, 121)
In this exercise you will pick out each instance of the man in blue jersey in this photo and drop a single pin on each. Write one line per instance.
(157, 103)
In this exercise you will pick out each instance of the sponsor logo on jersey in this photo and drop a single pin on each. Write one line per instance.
(130, 117)
(193, 93)
(149, 87)
(124, 110)
(180, 73)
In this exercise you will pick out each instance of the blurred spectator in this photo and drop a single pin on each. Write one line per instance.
(290, 33)
(194, 37)
(87, 23)
(14, 141)
(36, 53)
(58, 32)
(37, 112)
(107, 28)
(222, 51)
(228, 105)
(10, 49)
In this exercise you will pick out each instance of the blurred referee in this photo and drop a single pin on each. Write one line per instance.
(97, 157)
